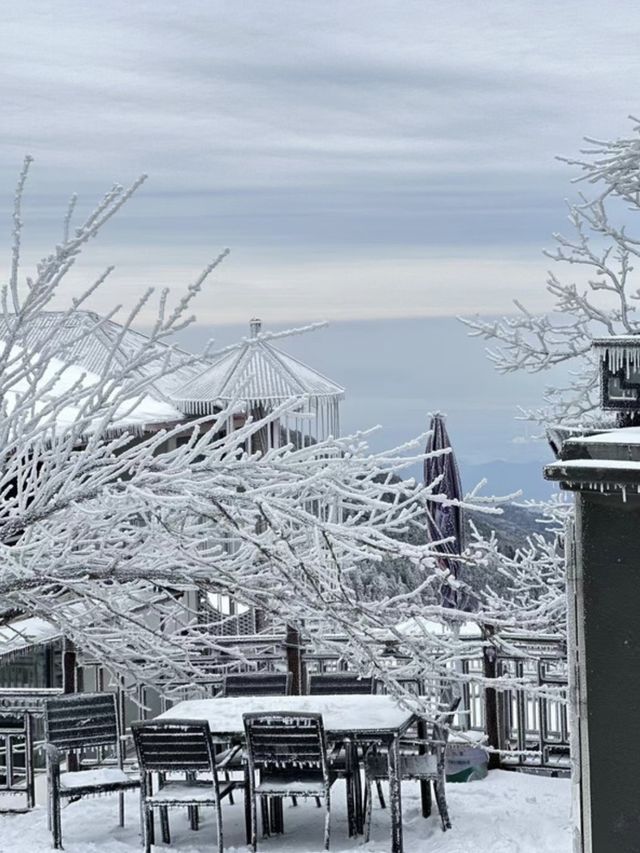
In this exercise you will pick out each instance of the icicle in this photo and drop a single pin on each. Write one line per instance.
(618, 356)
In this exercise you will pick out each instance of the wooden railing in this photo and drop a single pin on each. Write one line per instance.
(524, 728)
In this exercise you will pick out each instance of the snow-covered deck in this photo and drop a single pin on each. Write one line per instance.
(504, 813)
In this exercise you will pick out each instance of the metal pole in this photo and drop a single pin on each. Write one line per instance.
(491, 727)
(69, 660)
(293, 644)
(69, 685)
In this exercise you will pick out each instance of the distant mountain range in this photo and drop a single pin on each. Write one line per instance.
(512, 527)
(504, 478)
(394, 576)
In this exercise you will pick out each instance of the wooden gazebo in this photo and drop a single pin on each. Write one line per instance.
(256, 378)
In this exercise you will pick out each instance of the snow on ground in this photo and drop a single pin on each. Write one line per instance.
(505, 813)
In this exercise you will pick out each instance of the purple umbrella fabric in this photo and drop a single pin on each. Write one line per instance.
(444, 522)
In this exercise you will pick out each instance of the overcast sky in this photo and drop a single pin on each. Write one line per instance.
(361, 159)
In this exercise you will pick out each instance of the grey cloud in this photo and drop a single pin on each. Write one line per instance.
(294, 131)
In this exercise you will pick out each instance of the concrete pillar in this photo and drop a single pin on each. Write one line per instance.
(604, 472)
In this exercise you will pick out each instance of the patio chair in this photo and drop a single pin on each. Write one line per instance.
(323, 683)
(16, 737)
(82, 721)
(427, 766)
(179, 746)
(257, 684)
(289, 752)
(253, 684)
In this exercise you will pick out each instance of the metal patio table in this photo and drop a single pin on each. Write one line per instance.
(354, 719)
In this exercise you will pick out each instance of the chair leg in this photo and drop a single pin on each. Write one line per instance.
(368, 809)
(351, 809)
(318, 802)
(441, 800)
(264, 811)
(254, 821)
(425, 797)
(277, 815)
(327, 820)
(227, 778)
(383, 805)
(294, 801)
(247, 816)
(121, 808)
(357, 795)
(218, 827)
(56, 823)
(164, 825)
(146, 812)
(192, 811)
(147, 829)
(194, 818)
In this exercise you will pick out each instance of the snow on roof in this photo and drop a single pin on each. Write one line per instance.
(255, 371)
(139, 413)
(595, 464)
(91, 341)
(616, 341)
(626, 435)
(25, 632)
(596, 474)
(417, 625)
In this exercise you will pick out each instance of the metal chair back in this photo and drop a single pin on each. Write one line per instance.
(168, 745)
(280, 741)
(82, 721)
(321, 684)
(427, 765)
(290, 752)
(178, 746)
(257, 684)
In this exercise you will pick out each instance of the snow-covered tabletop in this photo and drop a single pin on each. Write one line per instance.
(341, 714)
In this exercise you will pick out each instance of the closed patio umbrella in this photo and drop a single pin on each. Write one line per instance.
(444, 522)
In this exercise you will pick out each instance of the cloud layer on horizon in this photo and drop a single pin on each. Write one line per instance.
(366, 159)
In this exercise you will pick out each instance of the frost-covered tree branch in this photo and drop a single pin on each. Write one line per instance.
(113, 504)
(597, 298)
(534, 575)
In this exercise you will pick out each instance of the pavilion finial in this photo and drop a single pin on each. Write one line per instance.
(255, 325)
